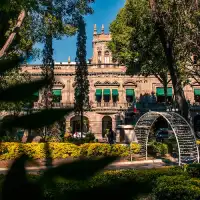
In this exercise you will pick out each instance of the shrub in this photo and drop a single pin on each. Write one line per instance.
(138, 182)
(97, 149)
(64, 150)
(34, 150)
(89, 137)
(11, 150)
(135, 147)
(193, 170)
(84, 149)
(176, 188)
(119, 150)
(158, 147)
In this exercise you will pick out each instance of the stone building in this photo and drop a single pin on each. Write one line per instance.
(112, 92)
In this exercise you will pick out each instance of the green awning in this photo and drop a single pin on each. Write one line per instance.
(160, 91)
(36, 94)
(130, 92)
(115, 92)
(106, 92)
(98, 92)
(57, 92)
(197, 92)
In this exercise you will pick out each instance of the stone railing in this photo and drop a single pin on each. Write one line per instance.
(109, 105)
(38, 105)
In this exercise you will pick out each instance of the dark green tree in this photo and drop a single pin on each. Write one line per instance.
(81, 97)
(158, 36)
(141, 56)
(24, 23)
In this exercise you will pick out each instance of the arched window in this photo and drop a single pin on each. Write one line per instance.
(107, 57)
(99, 56)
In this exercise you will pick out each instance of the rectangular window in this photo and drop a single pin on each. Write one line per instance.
(161, 95)
(98, 95)
(35, 97)
(197, 95)
(130, 95)
(115, 95)
(57, 95)
(106, 95)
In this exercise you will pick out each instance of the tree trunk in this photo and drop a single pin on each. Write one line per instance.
(174, 73)
(172, 67)
(176, 82)
(12, 35)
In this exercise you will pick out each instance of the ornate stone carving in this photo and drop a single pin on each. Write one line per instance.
(107, 83)
(58, 84)
(130, 83)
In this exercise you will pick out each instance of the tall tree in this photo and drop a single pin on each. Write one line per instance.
(135, 44)
(48, 61)
(24, 23)
(167, 26)
(81, 97)
(173, 22)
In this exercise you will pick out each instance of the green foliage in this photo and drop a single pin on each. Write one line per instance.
(158, 147)
(193, 170)
(97, 149)
(81, 92)
(176, 187)
(11, 150)
(9, 79)
(135, 147)
(141, 182)
(81, 97)
(35, 27)
(89, 138)
(158, 37)
(135, 44)
(37, 119)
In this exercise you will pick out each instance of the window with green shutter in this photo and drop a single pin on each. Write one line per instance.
(57, 95)
(160, 91)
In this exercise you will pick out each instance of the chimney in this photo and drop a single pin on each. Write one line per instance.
(102, 29)
(69, 59)
(95, 30)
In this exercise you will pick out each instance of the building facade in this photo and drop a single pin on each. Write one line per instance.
(112, 92)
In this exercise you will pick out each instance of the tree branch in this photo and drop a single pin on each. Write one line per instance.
(13, 34)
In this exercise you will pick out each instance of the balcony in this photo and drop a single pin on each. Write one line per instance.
(105, 104)
(38, 105)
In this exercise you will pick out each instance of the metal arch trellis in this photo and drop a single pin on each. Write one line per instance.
(185, 137)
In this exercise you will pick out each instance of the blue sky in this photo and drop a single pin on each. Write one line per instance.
(105, 12)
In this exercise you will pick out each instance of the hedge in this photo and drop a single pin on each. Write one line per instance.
(11, 150)
(177, 188)
(105, 185)
(122, 183)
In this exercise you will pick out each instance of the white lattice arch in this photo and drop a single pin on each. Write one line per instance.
(185, 137)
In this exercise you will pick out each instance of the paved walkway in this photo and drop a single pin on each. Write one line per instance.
(145, 164)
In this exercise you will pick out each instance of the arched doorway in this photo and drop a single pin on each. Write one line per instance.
(197, 126)
(75, 124)
(106, 124)
(185, 138)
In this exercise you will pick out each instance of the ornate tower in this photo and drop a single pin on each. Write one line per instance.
(101, 54)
